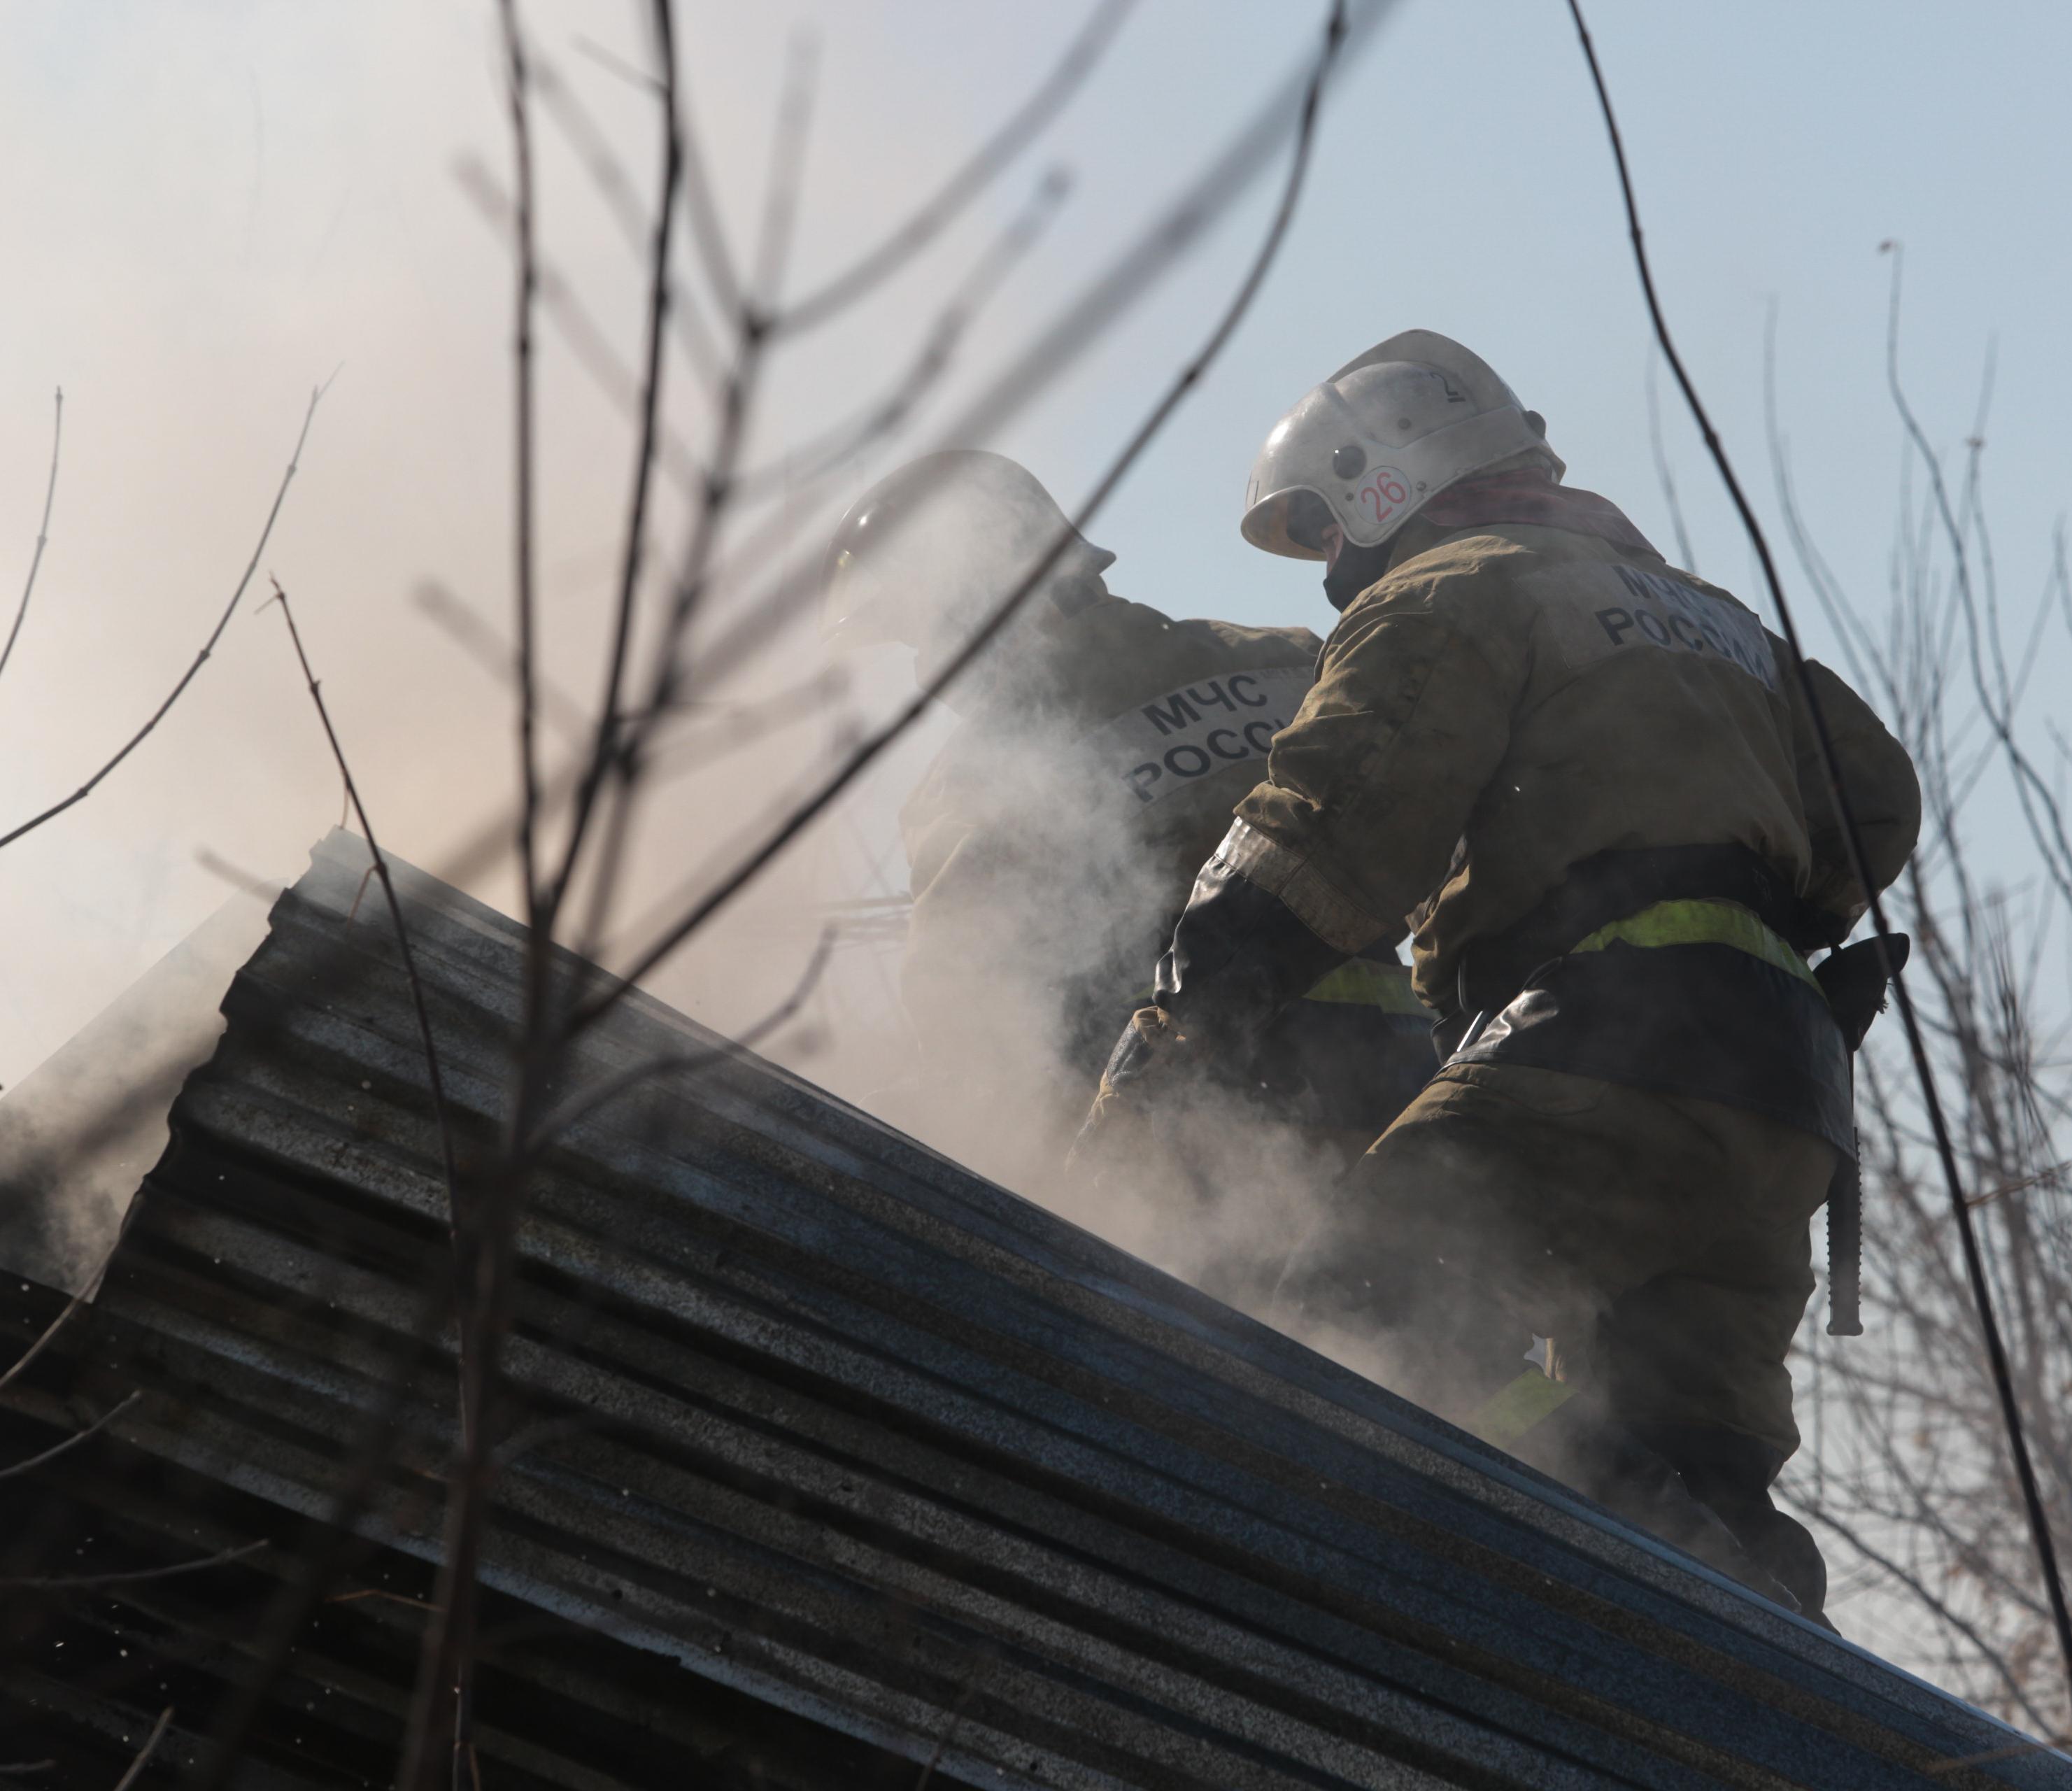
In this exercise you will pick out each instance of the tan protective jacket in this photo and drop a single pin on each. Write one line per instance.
(1054, 841)
(1513, 697)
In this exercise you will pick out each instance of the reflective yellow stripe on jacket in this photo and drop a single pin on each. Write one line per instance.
(1362, 982)
(1703, 922)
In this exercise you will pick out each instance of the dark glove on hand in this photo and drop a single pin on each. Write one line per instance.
(1126, 1086)
(1238, 959)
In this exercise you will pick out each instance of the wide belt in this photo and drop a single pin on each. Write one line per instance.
(1618, 884)
(1692, 995)
(1704, 921)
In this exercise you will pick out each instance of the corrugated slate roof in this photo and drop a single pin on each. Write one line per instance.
(838, 1467)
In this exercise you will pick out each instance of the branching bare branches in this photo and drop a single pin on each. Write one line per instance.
(868, 753)
(654, 680)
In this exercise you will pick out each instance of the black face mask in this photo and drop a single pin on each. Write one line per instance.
(1356, 569)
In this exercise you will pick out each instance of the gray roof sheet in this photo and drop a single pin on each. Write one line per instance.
(838, 1461)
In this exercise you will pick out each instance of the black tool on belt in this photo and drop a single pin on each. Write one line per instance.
(1855, 981)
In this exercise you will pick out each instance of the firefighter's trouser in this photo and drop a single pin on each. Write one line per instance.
(1660, 1240)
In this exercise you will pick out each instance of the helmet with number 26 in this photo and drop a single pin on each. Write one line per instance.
(1378, 440)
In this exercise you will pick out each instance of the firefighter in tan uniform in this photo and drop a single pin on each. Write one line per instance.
(1100, 749)
(1589, 786)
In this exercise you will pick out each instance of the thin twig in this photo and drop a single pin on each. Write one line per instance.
(2030, 788)
(740, 725)
(593, 149)
(150, 1746)
(585, 1102)
(201, 659)
(523, 427)
(43, 534)
(1914, 1584)
(133, 1576)
(2039, 1522)
(71, 1442)
(563, 308)
(471, 632)
(1992, 1194)
(1663, 475)
(708, 233)
(148, 1750)
(418, 1003)
(377, 1591)
(610, 746)
(71, 1306)
(787, 163)
(325, 1557)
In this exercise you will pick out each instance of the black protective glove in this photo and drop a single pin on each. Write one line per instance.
(1239, 958)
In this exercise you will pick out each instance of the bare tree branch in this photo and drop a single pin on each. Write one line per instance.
(71, 1442)
(201, 659)
(90, 1581)
(692, 335)
(417, 1001)
(581, 1105)
(1663, 475)
(1914, 1583)
(524, 432)
(42, 534)
(144, 1754)
(86, 1293)
(470, 631)
(584, 337)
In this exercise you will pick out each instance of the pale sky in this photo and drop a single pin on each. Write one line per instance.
(210, 208)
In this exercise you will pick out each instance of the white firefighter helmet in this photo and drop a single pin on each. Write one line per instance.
(1378, 440)
(933, 547)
